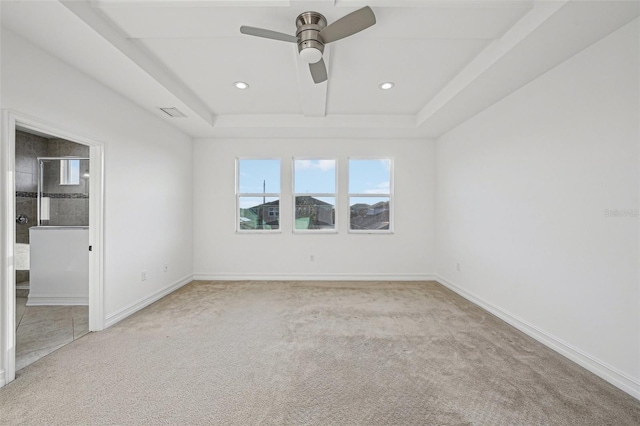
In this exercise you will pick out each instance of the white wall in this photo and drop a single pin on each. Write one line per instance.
(522, 190)
(220, 252)
(147, 169)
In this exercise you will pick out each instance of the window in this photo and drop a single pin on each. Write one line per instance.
(258, 194)
(370, 194)
(314, 192)
(69, 172)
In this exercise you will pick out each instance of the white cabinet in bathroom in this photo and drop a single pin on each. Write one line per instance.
(59, 270)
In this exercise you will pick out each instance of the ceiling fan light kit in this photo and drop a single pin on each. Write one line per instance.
(312, 33)
(310, 46)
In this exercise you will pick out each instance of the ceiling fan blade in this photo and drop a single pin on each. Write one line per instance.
(348, 25)
(318, 71)
(274, 35)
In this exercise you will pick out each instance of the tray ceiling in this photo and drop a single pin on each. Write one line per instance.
(448, 59)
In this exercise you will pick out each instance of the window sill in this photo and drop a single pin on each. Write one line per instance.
(315, 231)
(368, 232)
(259, 231)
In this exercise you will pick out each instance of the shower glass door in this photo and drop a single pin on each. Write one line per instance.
(63, 191)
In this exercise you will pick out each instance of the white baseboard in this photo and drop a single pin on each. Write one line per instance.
(599, 368)
(61, 300)
(3, 379)
(121, 314)
(313, 277)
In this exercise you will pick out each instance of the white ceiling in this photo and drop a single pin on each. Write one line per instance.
(449, 59)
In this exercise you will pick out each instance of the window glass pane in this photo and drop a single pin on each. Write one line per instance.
(69, 172)
(259, 176)
(369, 213)
(369, 176)
(315, 212)
(259, 212)
(315, 176)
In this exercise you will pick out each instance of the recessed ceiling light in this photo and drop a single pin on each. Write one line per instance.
(386, 85)
(241, 85)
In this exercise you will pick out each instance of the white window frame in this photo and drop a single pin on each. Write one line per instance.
(333, 195)
(389, 195)
(256, 195)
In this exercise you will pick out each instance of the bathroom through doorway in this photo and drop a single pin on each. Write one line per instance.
(53, 241)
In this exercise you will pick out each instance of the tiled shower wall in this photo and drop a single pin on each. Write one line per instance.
(64, 211)
(69, 204)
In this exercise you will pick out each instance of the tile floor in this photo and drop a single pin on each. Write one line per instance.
(41, 330)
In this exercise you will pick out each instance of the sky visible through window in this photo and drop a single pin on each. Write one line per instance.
(369, 176)
(259, 176)
(315, 176)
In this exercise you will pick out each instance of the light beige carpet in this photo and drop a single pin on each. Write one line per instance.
(244, 353)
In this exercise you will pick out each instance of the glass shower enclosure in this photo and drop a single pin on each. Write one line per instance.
(63, 191)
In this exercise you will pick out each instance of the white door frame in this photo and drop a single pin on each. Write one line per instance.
(11, 119)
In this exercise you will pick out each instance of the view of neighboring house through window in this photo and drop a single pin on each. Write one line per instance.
(370, 194)
(258, 194)
(314, 194)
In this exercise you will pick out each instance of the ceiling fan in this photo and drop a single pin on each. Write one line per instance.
(313, 33)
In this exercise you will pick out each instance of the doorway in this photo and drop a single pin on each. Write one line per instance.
(63, 168)
(52, 236)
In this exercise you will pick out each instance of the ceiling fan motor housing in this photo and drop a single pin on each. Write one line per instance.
(310, 44)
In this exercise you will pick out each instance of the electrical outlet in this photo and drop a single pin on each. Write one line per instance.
(458, 267)
(312, 258)
(144, 276)
(166, 269)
